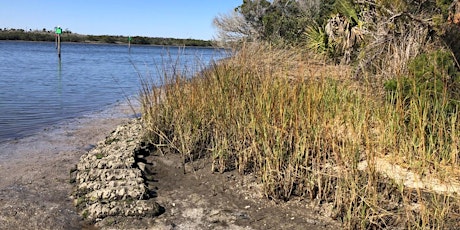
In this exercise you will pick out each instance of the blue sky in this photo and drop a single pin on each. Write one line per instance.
(153, 18)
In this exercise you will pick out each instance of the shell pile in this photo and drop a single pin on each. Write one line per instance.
(109, 181)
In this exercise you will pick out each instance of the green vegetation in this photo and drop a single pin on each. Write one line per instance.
(282, 109)
(68, 36)
(432, 76)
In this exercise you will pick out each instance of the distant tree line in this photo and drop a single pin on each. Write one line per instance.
(68, 36)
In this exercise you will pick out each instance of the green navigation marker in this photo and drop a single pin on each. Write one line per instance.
(58, 32)
(130, 38)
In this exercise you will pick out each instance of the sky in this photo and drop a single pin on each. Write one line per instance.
(151, 18)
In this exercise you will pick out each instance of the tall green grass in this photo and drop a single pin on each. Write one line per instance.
(303, 132)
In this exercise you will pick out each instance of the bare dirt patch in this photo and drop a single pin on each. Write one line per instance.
(200, 199)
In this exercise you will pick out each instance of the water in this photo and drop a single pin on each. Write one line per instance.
(38, 90)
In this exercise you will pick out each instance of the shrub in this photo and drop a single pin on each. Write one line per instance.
(433, 77)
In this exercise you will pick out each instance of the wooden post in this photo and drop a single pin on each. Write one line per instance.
(58, 32)
(59, 46)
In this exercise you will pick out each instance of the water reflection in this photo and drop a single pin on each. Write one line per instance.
(59, 84)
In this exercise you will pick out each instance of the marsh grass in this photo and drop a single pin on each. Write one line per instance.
(304, 129)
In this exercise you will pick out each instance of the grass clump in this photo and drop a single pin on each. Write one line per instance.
(308, 130)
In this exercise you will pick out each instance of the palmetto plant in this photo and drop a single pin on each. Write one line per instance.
(316, 39)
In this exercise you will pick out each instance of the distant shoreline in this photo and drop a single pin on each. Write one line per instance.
(114, 44)
(68, 36)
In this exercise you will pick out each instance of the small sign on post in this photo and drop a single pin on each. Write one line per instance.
(58, 32)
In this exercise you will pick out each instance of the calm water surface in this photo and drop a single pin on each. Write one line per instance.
(38, 90)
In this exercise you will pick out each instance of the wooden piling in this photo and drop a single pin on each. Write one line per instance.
(58, 32)
(59, 46)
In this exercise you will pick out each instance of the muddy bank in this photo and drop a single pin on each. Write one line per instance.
(124, 183)
(36, 188)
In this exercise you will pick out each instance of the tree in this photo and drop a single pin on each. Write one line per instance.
(276, 20)
(233, 27)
